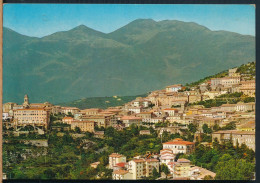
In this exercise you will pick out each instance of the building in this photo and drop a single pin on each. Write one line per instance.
(95, 164)
(174, 88)
(85, 126)
(115, 158)
(182, 168)
(135, 110)
(179, 146)
(199, 173)
(170, 111)
(91, 111)
(102, 120)
(99, 134)
(232, 72)
(249, 126)
(245, 106)
(248, 87)
(167, 157)
(129, 120)
(8, 106)
(144, 132)
(224, 82)
(122, 175)
(144, 115)
(141, 168)
(67, 120)
(240, 137)
(32, 116)
(67, 110)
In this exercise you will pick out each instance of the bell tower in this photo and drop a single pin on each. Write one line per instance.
(26, 102)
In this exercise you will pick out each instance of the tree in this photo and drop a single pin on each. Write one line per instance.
(155, 173)
(230, 126)
(70, 114)
(165, 169)
(216, 127)
(234, 169)
(109, 132)
(77, 130)
(206, 129)
(208, 177)
(192, 128)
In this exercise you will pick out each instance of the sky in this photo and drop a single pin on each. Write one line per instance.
(39, 20)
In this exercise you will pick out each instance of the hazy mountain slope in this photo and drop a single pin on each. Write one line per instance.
(142, 56)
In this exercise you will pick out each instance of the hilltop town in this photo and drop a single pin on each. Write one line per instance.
(181, 132)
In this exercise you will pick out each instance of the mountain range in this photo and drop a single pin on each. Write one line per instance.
(142, 56)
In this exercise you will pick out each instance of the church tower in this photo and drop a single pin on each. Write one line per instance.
(26, 102)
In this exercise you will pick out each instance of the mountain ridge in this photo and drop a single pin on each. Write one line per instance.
(83, 62)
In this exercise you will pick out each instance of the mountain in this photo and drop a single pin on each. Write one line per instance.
(142, 56)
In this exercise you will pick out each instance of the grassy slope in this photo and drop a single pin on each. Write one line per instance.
(101, 102)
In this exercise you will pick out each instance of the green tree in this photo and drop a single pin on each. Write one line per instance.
(155, 173)
(77, 129)
(164, 168)
(192, 128)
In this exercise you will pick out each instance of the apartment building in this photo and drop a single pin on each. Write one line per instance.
(240, 137)
(85, 126)
(32, 116)
(179, 146)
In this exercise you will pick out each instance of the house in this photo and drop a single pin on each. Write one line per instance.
(144, 115)
(99, 134)
(115, 158)
(182, 168)
(67, 110)
(67, 120)
(144, 132)
(102, 120)
(179, 146)
(232, 72)
(199, 173)
(170, 111)
(91, 111)
(240, 137)
(122, 175)
(240, 106)
(85, 126)
(173, 88)
(95, 164)
(129, 120)
(249, 126)
(135, 110)
(143, 167)
(167, 157)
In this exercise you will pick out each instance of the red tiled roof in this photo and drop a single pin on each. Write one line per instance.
(152, 160)
(179, 142)
(115, 155)
(183, 160)
(121, 172)
(122, 164)
(138, 160)
(67, 117)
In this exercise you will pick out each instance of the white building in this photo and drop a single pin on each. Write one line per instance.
(141, 168)
(173, 88)
(115, 158)
(179, 146)
(122, 175)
